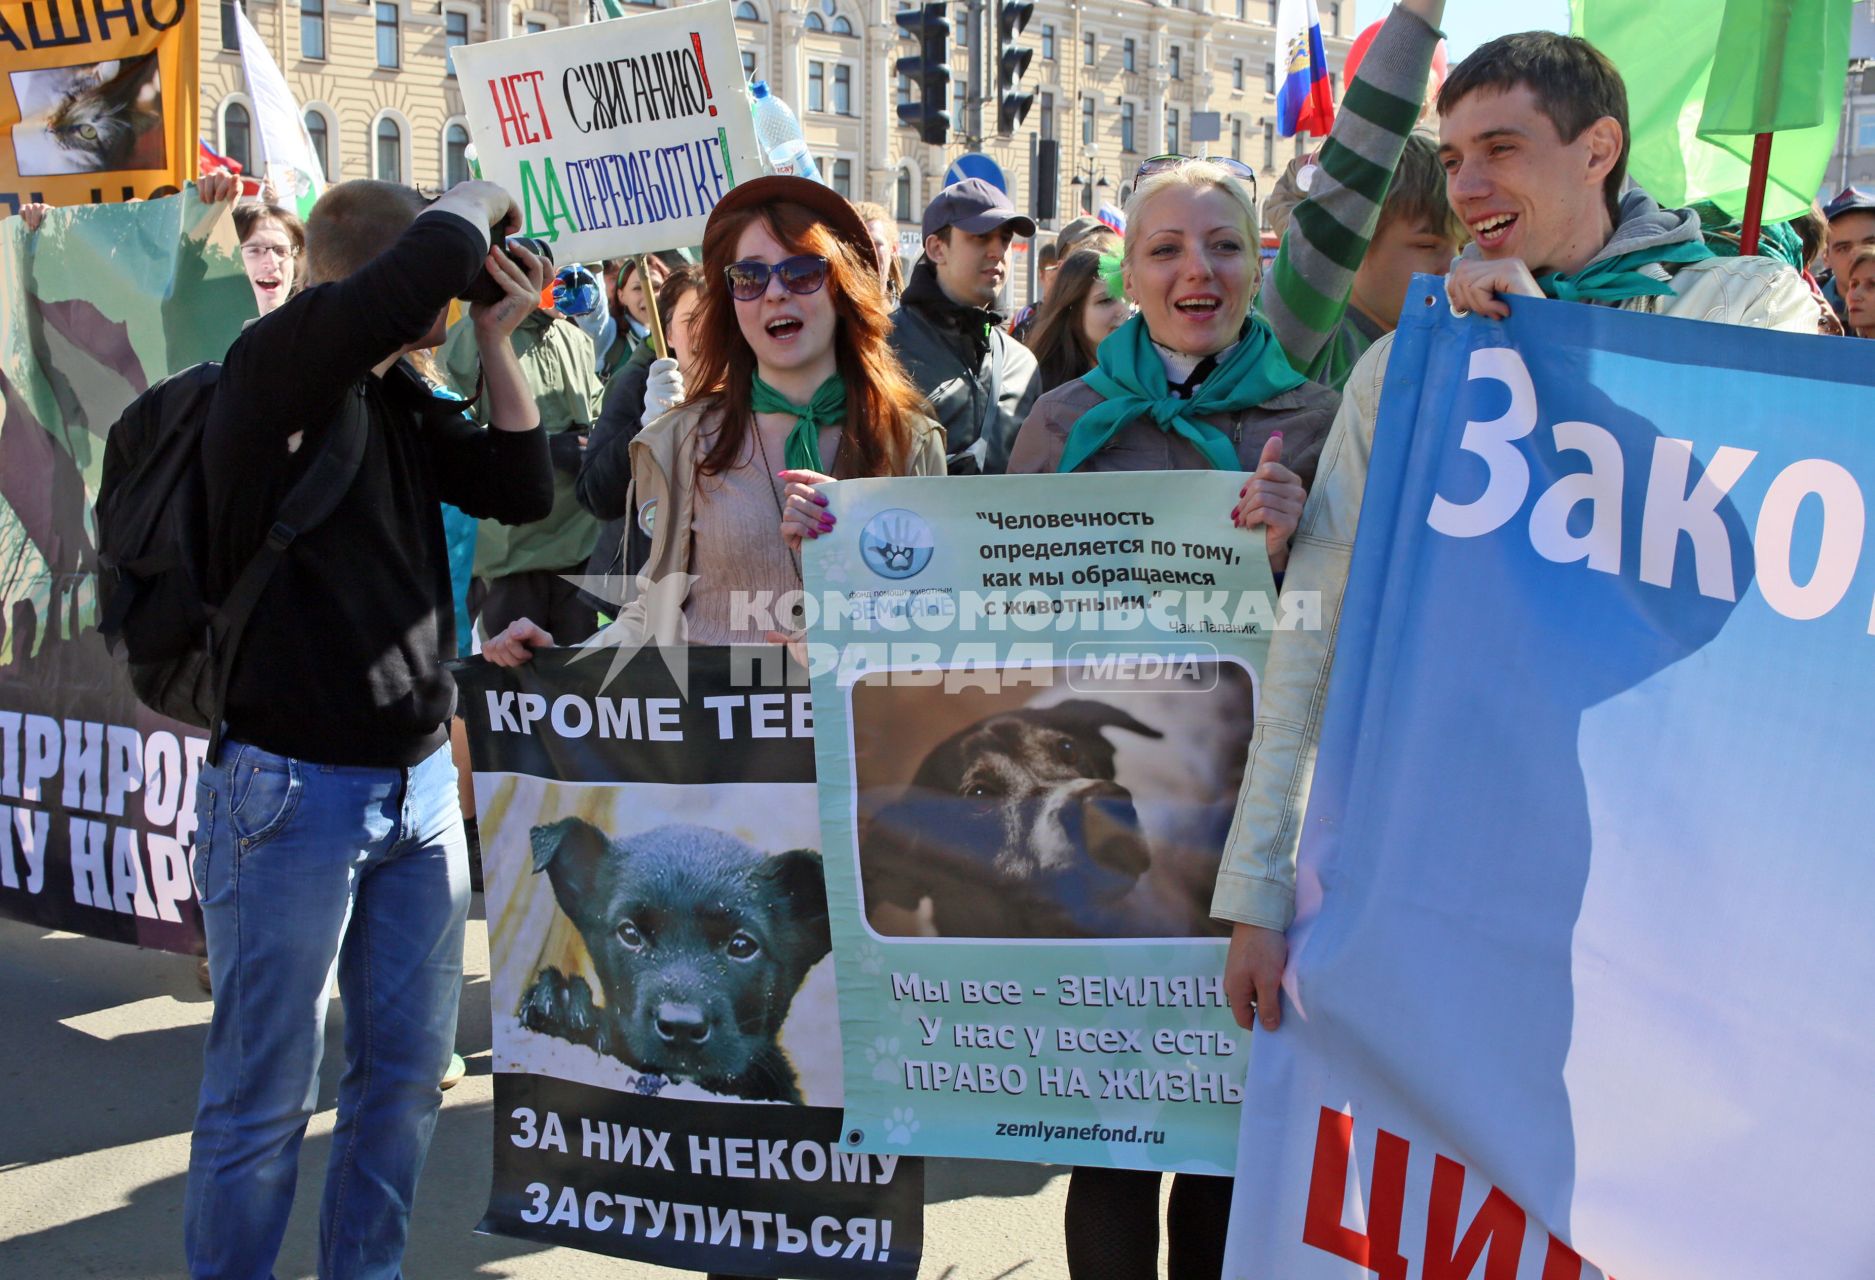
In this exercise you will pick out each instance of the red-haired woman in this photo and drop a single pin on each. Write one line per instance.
(795, 385)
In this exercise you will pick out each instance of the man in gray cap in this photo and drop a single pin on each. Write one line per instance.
(978, 381)
(1851, 218)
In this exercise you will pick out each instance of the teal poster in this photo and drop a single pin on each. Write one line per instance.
(1033, 696)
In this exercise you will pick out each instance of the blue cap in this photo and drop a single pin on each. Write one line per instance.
(976, 207)
(1850, 200)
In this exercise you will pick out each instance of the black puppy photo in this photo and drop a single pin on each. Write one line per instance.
(1014, 827)
(700, 942)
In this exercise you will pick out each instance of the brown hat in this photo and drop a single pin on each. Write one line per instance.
(840, 216)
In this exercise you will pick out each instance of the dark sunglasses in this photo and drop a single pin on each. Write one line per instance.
(1161, 164)
(804, 274)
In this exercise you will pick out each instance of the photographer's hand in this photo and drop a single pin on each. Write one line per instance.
(521, 276)
(511, 404)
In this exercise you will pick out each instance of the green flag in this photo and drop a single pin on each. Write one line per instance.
(1703, 77)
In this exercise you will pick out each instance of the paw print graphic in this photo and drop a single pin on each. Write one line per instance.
(882, 1053)
(871, 960)
(901, 1126)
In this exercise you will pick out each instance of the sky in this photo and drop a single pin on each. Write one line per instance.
(1469, 23)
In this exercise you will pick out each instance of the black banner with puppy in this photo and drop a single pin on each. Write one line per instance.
(660, 959)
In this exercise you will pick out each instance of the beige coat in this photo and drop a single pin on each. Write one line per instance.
(661, 499)
(1256, 884)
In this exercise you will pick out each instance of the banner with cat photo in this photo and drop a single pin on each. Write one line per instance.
(98, 104)
(1034, 697)
(666, 1039)
(97, 794)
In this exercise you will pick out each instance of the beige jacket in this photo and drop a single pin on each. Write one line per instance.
(661, 499)
(1256, 883)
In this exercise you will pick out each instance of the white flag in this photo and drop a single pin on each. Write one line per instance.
(283, 149)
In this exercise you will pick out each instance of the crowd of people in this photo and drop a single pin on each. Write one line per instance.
(530, 465)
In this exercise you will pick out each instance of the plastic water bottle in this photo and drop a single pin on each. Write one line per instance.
(779, 135)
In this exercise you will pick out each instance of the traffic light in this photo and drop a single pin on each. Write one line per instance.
(1012, 63)
(930, 115)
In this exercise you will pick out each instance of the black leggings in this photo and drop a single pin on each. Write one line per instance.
(1113, 1225)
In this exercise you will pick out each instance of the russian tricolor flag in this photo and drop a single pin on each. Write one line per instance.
(1303, 98)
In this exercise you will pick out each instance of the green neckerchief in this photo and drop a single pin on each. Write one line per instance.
(1130, 378)
(1616, 280)
(1778, 241)
(826, 408)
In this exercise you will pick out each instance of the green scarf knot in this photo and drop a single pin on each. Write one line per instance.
(826, 408)
(1131, 381)
(1616, 280)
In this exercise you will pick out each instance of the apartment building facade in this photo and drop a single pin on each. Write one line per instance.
(1115, 81)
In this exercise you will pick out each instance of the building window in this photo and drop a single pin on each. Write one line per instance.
(1128, 56)
(1236, 139)
(816, 86)
(1178, 62)
(842, 90)
(960, 98)
(901, 196)
(455, 35)
(1269, 77)
(841, 27)
(1126, 127)
(1236, 74)
(1048, 42)
(746, 12)
(230, 32)
(237, 136)
(535, 28)
(455, 155)
(1087, 122)
(1047, 125)
(1272, 11)
(843, 177)
(390, 140)
(312, 29)
(1269, 146)
(1240, 8)
(748, 64)
(1865, 131)
(1087, 48)
(815, 22)
(1171, 131)
(387, 35)
(1334, 17)
(321, 136)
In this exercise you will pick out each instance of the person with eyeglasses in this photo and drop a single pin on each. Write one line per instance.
(795, 385)
(272, 240)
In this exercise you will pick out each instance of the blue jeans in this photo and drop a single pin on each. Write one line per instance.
(301, 867)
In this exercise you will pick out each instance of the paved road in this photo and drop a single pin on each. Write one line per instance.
(100, 1053)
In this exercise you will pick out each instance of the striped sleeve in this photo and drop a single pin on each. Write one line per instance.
(1305, 295)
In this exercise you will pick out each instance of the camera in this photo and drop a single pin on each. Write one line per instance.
(485, 288)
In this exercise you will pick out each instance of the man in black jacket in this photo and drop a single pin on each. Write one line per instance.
(328, 832)
(979, 382)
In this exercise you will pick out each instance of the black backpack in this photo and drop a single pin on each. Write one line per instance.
(153, 522)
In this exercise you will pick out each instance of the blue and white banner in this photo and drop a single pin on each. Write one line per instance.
(1580, 977)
